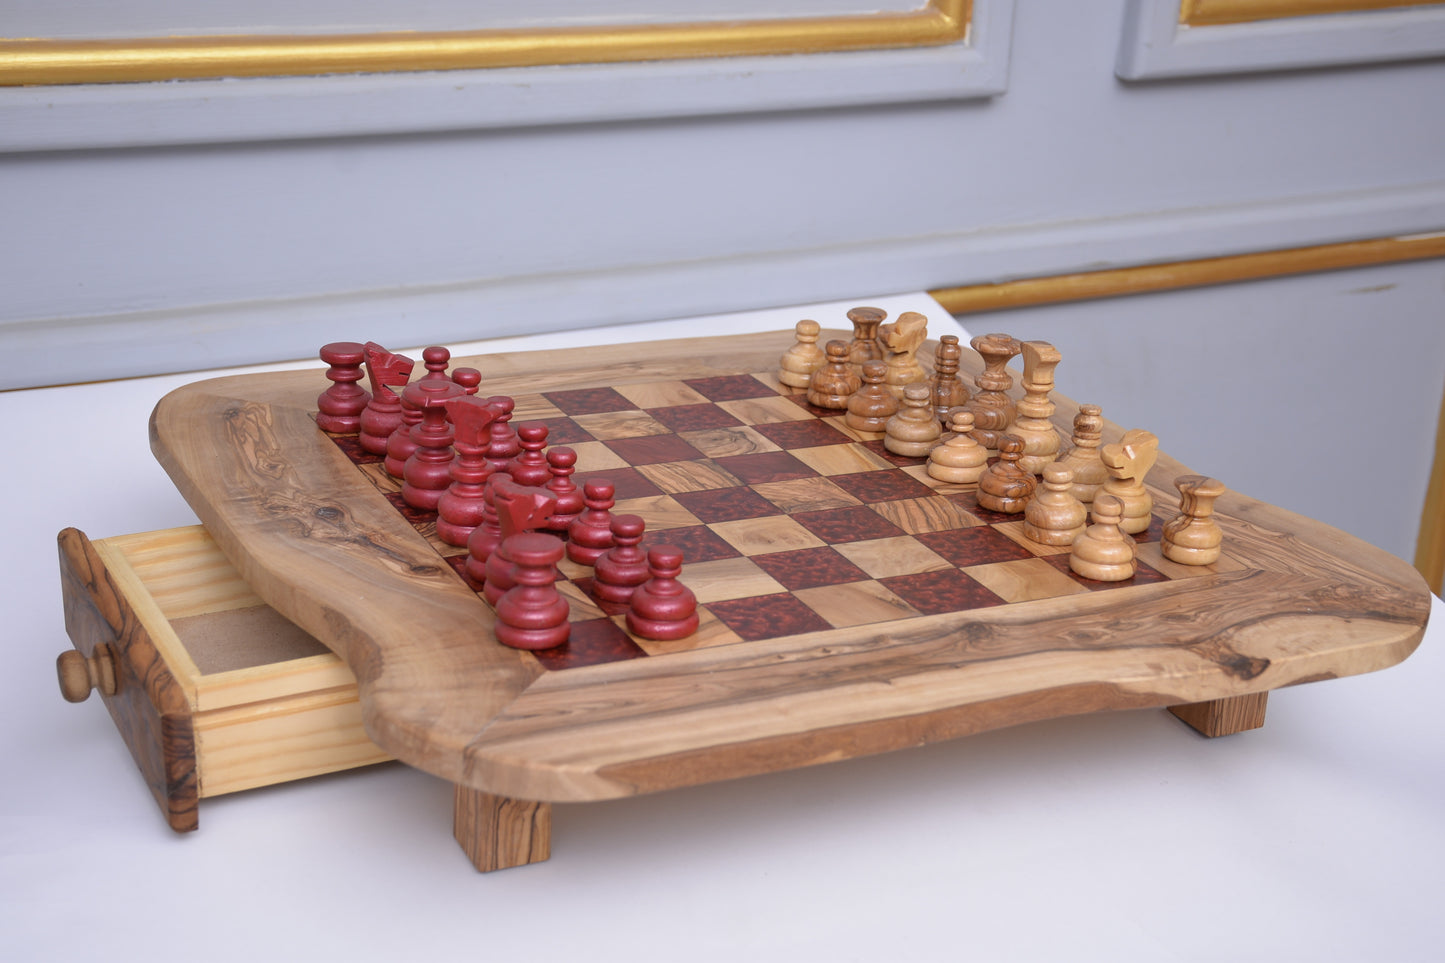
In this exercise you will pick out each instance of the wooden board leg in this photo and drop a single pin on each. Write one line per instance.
(1224, 717)
(499, 833)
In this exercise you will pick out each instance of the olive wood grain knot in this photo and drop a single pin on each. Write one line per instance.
(78, 674)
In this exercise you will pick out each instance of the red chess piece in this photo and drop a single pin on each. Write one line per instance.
(519, 509)
(436, 359)
(469, 378)
(529, 467)
(662, 608)
(401, 444)
(427, 471)
(340, 406)
(562, 461)
(503, 447)
(460, 508)
(485, 537)
(383, 413)
(533, 614)
(621, 568)
(590, 533)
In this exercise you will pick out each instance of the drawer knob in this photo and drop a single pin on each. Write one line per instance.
(78, 675)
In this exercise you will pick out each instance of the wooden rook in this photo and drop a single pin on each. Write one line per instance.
(870, 407)
(960, 460)
(1054, 516)
(949, 391)
(339, 407)
(1083, 459)
(864, 346)
(833, 384)
(903, 338)
(913, 432)
(1128, 462)
(1193, 537)
(1033, 418)
(993, 409)
(1005, 487)
(1103, 552)
(796, 366)
(382, 415)
(662, 608)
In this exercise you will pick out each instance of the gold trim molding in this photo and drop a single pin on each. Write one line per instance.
(37, 61)
(1209, 13)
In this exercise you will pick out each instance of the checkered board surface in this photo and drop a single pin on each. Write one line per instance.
(789, 520)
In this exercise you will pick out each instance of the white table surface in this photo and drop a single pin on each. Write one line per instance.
(1121, 836)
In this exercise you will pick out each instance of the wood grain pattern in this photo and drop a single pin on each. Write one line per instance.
(305, 530)
(148, 706)
(1224, 717)
(498, 833)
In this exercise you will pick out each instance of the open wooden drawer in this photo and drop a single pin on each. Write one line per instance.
(212, 689)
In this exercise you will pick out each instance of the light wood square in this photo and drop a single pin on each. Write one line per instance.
(377, 475)
(886, 557)
(661, 512)
(764, 411)
(533, 408)
(595, 456)
(1025, 580)
(582, 605)
(764, 536)
(805, 495)
(842, 425)
(770, 378)
(571, 569)
(661, 394)
(723, 442)
(1015, 531)
(688, 476)
(920, 472)
(840, 459)
(728, 578)
(710, 631)
(857, 603)
(611, 425)
(931, 514)
(1152, 555)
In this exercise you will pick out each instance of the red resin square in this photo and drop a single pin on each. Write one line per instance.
(588, 401)
(882, 486)
(693, 417)
(593, 642)
(768, 616)
(698, 543)
(975, 546)
(414, 516)
(351, 445)
(628, 482)
(934, 593)
(653, 449)
(802, 434)
(856, 524)
(809, 568)
(726, 504)
(730, 388)
(564, 431)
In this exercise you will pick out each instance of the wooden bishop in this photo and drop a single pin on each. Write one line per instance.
(1083, 458)
(993, 410)
(949, 391)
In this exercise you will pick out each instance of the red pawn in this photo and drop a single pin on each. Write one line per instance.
(662, 607)
(530, 466)
(469, 378)
(532, 614)
(436, 359)
(590, 533)
(621, 568)
(340, 406)
(563, 462)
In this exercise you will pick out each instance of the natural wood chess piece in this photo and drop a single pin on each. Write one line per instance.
(960, 459)
(1083, 458)
(949, 391)
(993, 410)
(833, 384)
(864, 346)
(1005, 487)
(903, 338)
(914, 431)
(1054, 516)
(1193, 537)
(1033, 414)
(1128, 462)
(872, 405)
(796, 366)
(1104, 553)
